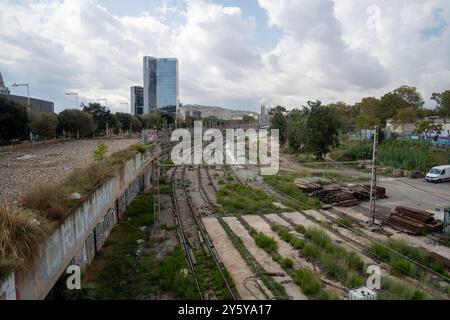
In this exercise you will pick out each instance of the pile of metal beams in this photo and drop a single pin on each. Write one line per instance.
(307, 187)
(413, 221)
(362, 192)
(337, 196)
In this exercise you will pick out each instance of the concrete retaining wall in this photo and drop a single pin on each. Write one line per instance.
(77, 240)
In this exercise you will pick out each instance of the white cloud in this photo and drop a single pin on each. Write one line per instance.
(326, 51)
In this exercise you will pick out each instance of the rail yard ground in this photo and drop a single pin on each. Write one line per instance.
(21, 169)
(226, 233)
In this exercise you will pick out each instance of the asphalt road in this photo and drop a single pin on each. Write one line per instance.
(414, 193)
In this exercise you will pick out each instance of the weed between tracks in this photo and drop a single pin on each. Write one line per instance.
(243, 199)
(125, 270)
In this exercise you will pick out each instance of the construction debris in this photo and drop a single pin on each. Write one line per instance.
(339, 195)
(307, 187)
(413, 221)
(362, 192)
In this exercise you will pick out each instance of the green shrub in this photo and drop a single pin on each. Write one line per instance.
(100, 152)
(297, 243)
(406, 154)
(354, 261)
(311, 250)
(318, 236)
(300, 229)
(403, 266)
(287, 263)
(238, 198)
(267, 243)
(359, 151)
(307, 280)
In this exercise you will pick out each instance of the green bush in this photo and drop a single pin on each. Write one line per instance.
(359, 151)
(267, 243)
(287, 263)
(406, 155)
(300, 229)
(297, 243)
(311, 250)
(403, 266)
(318, 236)
(238, 198)
(307, 280)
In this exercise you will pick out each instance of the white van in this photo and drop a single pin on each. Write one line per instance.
(438, 174)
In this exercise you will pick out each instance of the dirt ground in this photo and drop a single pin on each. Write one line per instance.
(21, 169)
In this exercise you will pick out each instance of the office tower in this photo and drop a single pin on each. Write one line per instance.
(161, 84)
(137, 100)
(3, 89)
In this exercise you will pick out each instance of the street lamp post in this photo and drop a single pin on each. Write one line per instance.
(73, 94)
(28, 91)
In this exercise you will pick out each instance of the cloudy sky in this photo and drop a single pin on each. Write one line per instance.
(234, 53)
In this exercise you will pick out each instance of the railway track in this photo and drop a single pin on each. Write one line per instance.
(192, 233)
(251, 261)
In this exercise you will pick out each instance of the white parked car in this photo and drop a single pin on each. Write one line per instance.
(438, 174)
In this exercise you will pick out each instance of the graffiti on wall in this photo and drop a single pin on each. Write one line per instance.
(8, 289)
(76, 239)
(121, 206)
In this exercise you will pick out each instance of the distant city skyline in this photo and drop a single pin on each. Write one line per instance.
(235, 54)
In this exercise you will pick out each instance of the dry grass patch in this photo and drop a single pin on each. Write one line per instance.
(21, 237)
(55, 201)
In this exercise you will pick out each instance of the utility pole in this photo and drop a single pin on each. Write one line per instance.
(373, 180)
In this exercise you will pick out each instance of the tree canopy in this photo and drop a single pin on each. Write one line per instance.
(13, 121)
(77, 122)
(44, 124)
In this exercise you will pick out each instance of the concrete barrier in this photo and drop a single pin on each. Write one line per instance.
(77, 240)
(397, 172)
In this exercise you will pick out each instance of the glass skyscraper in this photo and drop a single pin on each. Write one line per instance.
(137, 100)
(161, 84)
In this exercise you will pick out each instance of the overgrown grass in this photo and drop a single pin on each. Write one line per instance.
(406, 155)
(285, 184)
(117, 272)
(263, 241)
(402, 265)
(22, 234)
(338, 263)
(352, 151)
(393, 289)
(243, 199)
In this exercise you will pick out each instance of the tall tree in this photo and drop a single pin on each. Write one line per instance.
(404, 116)
(442, 102)
(13, 121)
(410, 96)
(44, 124)
(346, 114)
(79, 123)
(296, 130)
(102, 116)
(279, 122)
(125, 120)
(322, 127)
(370, 113)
